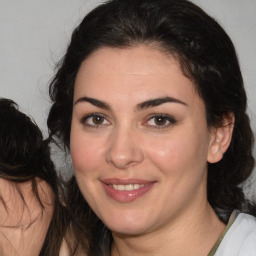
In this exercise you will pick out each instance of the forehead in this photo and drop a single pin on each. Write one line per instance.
(137, 60)
(143, 70)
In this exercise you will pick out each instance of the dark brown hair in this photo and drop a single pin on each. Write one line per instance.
(24, 157)
(207, 57)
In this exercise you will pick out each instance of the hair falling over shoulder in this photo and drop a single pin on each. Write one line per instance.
(25, 160)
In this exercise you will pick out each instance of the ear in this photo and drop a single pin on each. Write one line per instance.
(220, 139)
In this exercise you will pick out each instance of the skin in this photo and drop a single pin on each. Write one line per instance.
(23, 227)
(124, 140)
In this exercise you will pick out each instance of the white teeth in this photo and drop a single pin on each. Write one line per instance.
(127, 187)
(136, 186)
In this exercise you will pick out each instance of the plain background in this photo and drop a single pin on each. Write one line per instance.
(34, 35)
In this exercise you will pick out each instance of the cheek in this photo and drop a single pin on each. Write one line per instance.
(84, 153)
(178, 153)
(166, 151)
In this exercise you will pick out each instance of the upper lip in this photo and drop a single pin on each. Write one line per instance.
(111, 181)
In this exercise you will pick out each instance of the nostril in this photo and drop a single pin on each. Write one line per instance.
(124, 150)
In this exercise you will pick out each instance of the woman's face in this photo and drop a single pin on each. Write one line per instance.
(139, 139)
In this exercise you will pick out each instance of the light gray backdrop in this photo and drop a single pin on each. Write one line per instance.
(35, 33)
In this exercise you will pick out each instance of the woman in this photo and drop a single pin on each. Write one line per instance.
(28, 186)
(149, 100)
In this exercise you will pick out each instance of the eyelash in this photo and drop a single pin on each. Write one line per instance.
(85, 119)
(165, 118)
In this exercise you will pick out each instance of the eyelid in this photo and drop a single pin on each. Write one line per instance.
(87, 116)
(169, 119)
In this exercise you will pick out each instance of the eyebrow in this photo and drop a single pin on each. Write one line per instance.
(95, 102)
(139, 107)
(157, 102)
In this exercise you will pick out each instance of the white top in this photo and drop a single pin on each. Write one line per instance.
(240, 239)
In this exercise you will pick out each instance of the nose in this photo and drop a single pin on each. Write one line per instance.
(124, 149)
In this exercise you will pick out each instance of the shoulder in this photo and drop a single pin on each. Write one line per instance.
(240, 239)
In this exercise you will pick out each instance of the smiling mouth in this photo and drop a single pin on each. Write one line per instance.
(125, 191)
(128, 187)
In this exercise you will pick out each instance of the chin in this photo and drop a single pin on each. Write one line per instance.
(131, 226)
(127, 230)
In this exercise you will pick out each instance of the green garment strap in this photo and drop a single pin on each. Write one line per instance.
(230, 222)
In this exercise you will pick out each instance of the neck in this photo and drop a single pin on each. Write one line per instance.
(192, 233)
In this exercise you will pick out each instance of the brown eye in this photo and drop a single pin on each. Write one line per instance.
(95, 120)
(160, 121)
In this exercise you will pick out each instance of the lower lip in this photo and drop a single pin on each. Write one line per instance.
(127, 196)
